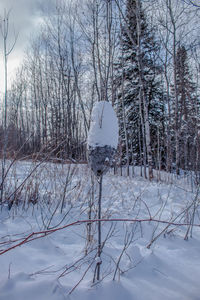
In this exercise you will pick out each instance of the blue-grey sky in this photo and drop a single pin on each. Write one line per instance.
(25, 17)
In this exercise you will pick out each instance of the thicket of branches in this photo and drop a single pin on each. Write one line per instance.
(143, 59)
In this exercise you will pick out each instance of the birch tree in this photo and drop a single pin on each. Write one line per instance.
(5, 33)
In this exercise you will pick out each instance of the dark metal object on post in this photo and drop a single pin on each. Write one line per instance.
(100, 159)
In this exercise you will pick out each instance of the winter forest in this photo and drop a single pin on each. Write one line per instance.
(142, 56)
(140, 221)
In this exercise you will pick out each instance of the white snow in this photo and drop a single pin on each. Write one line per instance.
(50, 267)
(104, 126)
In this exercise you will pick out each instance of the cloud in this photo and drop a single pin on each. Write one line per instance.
(24, 20)
(24, 16)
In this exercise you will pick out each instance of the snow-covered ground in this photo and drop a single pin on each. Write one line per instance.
(147, 259)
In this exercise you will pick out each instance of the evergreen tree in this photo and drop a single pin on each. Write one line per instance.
(188, 109)
(128, 81)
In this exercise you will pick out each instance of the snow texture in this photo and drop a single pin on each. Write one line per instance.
(169, 270)
(104, 126)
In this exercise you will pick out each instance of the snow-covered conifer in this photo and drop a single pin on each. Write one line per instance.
(185, 120)
(130, 69)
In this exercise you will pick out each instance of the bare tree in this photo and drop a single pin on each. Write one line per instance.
(5, 31)
(175, 28)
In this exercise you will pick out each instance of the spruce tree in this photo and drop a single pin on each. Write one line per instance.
(188, 109)
(128, 82)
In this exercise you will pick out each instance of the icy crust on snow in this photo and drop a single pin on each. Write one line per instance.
(104, 126)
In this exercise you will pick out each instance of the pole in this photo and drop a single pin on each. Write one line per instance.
(99, 229)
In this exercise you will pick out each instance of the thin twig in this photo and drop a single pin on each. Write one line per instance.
(40, 234)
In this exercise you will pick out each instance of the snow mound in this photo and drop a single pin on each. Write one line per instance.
(104, 126)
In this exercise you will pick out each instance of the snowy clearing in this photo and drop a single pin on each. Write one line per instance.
(61, 265)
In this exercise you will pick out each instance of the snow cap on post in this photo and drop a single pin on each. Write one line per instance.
(102, 137)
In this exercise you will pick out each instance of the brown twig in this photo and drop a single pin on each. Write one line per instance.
(40, 234)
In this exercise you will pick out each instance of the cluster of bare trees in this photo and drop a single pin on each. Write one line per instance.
(80, 56)
(177, 31)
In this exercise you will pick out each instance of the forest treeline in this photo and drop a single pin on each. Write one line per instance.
(143, 56)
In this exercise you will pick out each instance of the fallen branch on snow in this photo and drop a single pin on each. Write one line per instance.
(40, 234)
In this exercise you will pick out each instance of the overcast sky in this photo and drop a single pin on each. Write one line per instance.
(25, 17)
